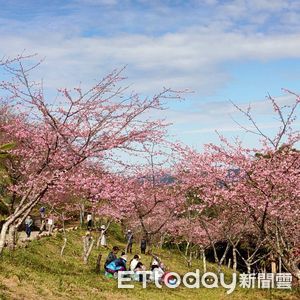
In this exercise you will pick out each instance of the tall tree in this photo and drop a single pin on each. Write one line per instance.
(54, 138)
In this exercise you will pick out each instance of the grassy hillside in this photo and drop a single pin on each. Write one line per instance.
(38, 272)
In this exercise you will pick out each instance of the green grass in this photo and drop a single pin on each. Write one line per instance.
(38, 272)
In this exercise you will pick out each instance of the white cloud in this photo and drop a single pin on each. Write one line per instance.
(161, 45)
(181, 60)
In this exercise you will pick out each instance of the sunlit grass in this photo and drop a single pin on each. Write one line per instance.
(38, 272)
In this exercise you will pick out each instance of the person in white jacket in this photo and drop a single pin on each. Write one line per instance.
(134, 262)
(103, 242)
(157, 274)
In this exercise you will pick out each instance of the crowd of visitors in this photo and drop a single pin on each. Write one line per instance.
(113, 265)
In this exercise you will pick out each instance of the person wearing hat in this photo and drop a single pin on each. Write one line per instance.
(157, 271)
(129, 238)
(102, 237)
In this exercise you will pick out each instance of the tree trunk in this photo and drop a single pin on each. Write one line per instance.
(203, 260)
(81, 216)
(89, 251)
(215, 254)
(12, 224)
(229, 263)
(190, 260)
(12, 238)
(279, 265)
(65, 236)
(148, 242)
(162, 241)
(21, 212)
(248, 265)
(273, 267)
(234, 266)
(63, 246)
(220, 262)
(4, 230)
(187, 248)
(292, 267)
(98, 263)
(88, 243)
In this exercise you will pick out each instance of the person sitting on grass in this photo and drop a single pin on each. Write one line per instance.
(135, 266)
(138, 268)
(111, 256)
(121, 263)
(157, 273)
(134, 262)
(117, 265)
(157, 268)
(155, 262)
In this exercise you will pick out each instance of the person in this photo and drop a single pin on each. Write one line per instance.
(157, 271)
(42, 212)
(155, 263)
(116, 265)
(121, 263)
(136, 265)
(143, 245)
(102, 238)
(129, 238)
(28, 226)
(111, 256)
(42, 216)
(50, 224)
(89, 219)
(140, 267)
(134, 262)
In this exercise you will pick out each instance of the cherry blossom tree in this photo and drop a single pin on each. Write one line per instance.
(150, 195)
(55, 137)
(257, 183)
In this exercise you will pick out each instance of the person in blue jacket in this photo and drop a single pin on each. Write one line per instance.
(116, 265)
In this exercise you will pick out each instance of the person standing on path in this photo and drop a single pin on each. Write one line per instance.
(143, 245)
(28, 226)
(129, 238)
(50, 224)
(89, 219)
(42, 216)
(42, 212)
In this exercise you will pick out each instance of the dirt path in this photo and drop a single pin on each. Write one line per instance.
(22, 237)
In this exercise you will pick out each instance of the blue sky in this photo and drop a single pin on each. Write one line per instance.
(222, 50)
